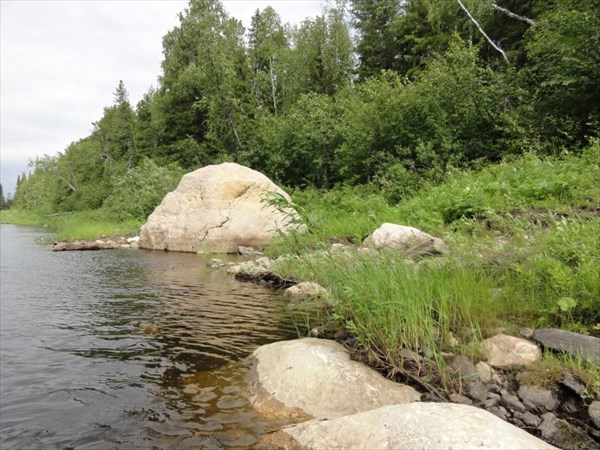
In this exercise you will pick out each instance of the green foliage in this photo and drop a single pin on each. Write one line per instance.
(136, 193)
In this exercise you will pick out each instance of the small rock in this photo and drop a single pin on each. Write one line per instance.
(459, 398)
(247, 251)
(511, 401)
(133, 239)
(492, 400)
(306, 289)
(573, 384)
(525, 332)
(528, 418)
(477, 391)
(594, 412)
(498, 411)
(463, 368)
(537, 398)
(484, 371)
(402, 238)
(505, 351)
(549, 427)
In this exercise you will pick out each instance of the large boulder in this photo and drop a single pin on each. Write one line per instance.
(315, 378)
(217, 208)
(410, 426)
(410, 240)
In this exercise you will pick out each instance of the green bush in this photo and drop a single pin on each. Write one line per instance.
(141, 189)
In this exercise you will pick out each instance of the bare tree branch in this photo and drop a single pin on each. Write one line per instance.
(512, 14)
(492, 43)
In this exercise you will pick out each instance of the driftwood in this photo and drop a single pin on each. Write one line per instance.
(83, 245)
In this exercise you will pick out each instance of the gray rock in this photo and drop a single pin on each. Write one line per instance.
(477, 391)
(512, 402)
(505, 351)
(573, 384)
(484, 371)
(462, 367)
(574, 343)
(527, 333)
(459, 398)
(537, 398)
(218, 208)
(492, 400)
(498, 411)
(550, 427)
(528, 418)
(309, 377)
(594, 412)
(410, 426)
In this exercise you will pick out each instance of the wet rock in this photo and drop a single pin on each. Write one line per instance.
(406, 239)
(537, 398)
(594, 412)
(505, 351)
(218, 208)
(410, 426)
(316, 378)
(574, 343)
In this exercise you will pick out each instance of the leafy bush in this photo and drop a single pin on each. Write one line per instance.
(141, 189)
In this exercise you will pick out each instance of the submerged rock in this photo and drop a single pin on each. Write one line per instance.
(505, 351)
(409, 426)
(315, 378)
(218, 208)
(412, 241)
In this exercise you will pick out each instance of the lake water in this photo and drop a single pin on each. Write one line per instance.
(126, 348)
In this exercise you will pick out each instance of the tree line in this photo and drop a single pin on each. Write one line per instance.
(394, 93)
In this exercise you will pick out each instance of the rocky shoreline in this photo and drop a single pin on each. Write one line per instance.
(556, 410)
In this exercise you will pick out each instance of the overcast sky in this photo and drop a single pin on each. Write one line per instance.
(62, 60)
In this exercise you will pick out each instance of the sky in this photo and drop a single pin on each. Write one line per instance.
(61, 61)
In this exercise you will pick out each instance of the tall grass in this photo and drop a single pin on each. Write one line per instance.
(524, 241)
(78, 225)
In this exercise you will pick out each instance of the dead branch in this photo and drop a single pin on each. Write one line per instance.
(512, 14)
(492, 43)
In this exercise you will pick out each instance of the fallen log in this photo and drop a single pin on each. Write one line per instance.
(83, 245)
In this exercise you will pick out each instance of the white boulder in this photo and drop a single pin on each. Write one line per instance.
(315, 378)
(217, 208)
(409, 426)
(390, 236)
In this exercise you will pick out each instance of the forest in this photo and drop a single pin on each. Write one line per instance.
(391, 94)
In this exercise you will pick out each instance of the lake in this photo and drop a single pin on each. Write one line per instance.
(126, 348)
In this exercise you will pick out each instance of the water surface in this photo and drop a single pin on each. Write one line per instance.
(126, 348)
